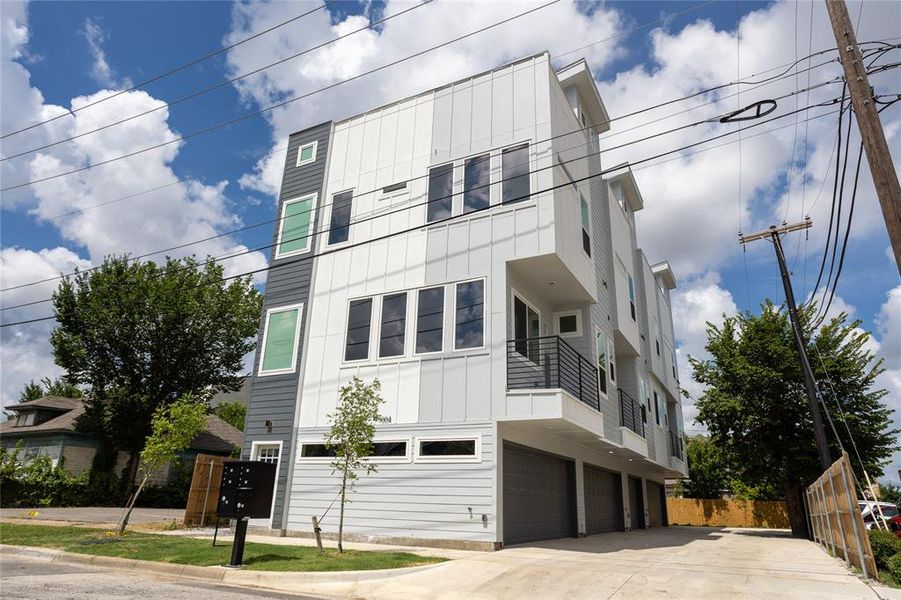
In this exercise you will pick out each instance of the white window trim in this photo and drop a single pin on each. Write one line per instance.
(568, 313)
(476, 458)
(313, 197)
(407, 458)
(299, 308)
(350, 222)
(484, 313)
(254, 445)
(301, 148)
(443, 319)
(374, 308)
(378, 337)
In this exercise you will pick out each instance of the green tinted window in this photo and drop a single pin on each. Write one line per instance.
(295, 234)
(281, 328)
(306, 154)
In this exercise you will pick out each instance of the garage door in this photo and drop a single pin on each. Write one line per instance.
(656, 504)
(603, 501)
(539, 496)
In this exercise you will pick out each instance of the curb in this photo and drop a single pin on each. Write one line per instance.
(275, 580)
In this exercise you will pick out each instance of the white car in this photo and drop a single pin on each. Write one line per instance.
(871, 511)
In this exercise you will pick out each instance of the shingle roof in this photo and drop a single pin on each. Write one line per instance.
(65, 422)
(49, 402)
(218, 436)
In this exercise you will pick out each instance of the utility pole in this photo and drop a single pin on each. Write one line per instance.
(813, 396)
(871, 134)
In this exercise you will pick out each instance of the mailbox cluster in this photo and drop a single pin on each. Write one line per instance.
(246, 489)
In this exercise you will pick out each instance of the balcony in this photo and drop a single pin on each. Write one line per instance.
(550, 363)
(675, 445)
(631, 413)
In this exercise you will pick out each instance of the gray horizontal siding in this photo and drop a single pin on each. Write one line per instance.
(274, 397)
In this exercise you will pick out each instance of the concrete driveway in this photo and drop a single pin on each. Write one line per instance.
(673, 562)
(100, 516)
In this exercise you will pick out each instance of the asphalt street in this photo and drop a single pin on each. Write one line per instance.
(34, 579)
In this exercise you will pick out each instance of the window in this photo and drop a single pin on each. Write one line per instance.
(379, 450)
(569, 324)
(281, 334)
(394, 325)
(611, 357)
(339, 227)
(395, 187)
(515, 172)
(616, 189)
(306, 154)
(359, 321)
(586, 236)
(451, 450)
(657, 409)
(676, 377)
(526, 329)
(657, 343)
(430, 320)
(25, 419)
(441, 188)
(476, 177)
(267, 453)
(600, 345)
(297, 221)
(632, 297)
(469, 318)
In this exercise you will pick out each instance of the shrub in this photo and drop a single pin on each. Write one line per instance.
(39, 483)
(893, 567)
(885, 546)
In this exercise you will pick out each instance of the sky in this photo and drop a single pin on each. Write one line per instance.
(57, 57)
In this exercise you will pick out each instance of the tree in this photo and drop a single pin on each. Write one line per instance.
(48, 387)
(141, 335)
(232, 412)
(708, 472)
(32, 391)
(756, 410)
(890, 492)
(350, 436)
(173, 427)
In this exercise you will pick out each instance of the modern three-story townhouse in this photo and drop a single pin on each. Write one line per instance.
(465, 248)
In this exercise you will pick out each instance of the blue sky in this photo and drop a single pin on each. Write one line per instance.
(56, 60)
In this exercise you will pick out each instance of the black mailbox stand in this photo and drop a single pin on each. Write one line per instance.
(245, 492)
(238, 543)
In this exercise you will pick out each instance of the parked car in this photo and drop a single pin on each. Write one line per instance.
(871, 511)
(894, 525)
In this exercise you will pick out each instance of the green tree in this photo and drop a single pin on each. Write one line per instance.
(890, 492)
(350, 436)
(173, 427)
(141, 335)
(32, 391)
(49, 387)
(232, 412)
(708, 473)
(756, 410)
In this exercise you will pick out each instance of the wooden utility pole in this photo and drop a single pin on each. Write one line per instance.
(871, 134)
(813, 396)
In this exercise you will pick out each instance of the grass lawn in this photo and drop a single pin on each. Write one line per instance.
(190, 551)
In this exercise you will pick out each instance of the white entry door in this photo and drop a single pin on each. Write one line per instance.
(268, 452)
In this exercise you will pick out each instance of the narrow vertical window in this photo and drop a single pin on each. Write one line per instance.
(359, 322)
(515, 172)
(469, 318)
(306, 154)
(280, 337)
(430, 320)
(297, 219)
(600, 346)
(611, 357)
(394, 325)
(441, 188)
(657, 408)
(339, 227)
(476, 177)
(632, 297)
(586, 236)
(526, 329)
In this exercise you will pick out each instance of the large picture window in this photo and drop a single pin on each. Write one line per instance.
(394, 324)
(441, 187)
(359, 322)
(281, 333)
(296, 225)
(469, 318)
(339, 227)
(430, 320)
(515, 171)
(476, 177)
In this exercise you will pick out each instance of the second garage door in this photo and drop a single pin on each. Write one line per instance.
(656, 504)
(539, 496)
(603, 501)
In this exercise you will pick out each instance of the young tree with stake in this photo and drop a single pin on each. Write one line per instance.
(350, 437)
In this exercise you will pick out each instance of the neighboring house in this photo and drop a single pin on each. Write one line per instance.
(47, 427)
(523, 341)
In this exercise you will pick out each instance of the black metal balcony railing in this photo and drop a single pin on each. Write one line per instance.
(675, 445)
(549, 363)
(631, 413)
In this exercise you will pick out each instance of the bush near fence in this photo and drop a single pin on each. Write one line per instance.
(768, 514)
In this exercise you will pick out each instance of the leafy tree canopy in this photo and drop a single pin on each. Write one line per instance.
(232, 412)
(708, 473)
(756, 409)
(49, 387)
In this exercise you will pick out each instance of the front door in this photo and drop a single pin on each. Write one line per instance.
(267, 452)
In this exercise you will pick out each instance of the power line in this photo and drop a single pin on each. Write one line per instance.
(171, 71)
(263, 110)
(311, 255)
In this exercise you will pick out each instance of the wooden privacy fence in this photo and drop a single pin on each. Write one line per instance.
(834, 517)
(727, 513)
(204, 493)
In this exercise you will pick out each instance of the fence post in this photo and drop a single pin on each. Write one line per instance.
(857, 533)
(829, 528)
(841, 527)
(807, 513)
(206, 495)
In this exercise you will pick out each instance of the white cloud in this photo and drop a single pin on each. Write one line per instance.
(95, 35)
(889, 329)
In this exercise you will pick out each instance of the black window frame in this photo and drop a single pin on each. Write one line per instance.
(437, 443)
(381, 449)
